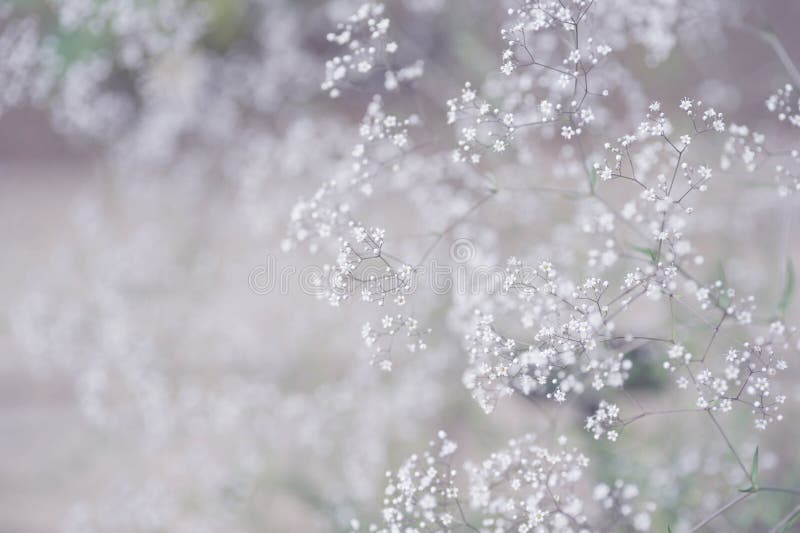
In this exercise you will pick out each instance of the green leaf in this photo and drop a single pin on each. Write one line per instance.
(724, 300)
(647, 251)
(788, 288)
(592, 179)
(753, 475)
(721, 273)
(754, 468)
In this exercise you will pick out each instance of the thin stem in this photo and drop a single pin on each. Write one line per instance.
(654, 413)
(452, 226)
(721, 510)
(768, 36)
(785, 520)
(728, 442)
(794, 492)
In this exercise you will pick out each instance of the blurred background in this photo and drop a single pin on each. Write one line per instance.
(150, 155)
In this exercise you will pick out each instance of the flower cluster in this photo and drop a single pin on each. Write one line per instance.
(785, 105)
(535, 40)
(746, 378)
(384, 141)
(524, 487)
(657, 165)
(751, 149)
(604, 420)
(561, 353)
(380, 338)
(422, 493)
(364, 36)
(483, 127)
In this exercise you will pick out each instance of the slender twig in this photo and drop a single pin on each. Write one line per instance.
(785, 520)
(768, 36)
(728, 442)
(721, 510)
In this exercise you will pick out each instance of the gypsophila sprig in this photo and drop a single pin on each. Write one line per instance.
(752, 150)
(564, 67)
(523, 487)
(560, 353)
(367, 48)
(380, 338)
